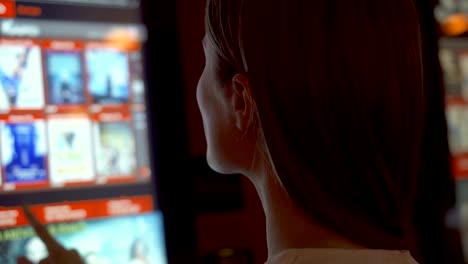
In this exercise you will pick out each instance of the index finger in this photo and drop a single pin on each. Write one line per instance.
(53, 246)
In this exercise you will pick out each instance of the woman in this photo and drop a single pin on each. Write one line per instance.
(320, 104)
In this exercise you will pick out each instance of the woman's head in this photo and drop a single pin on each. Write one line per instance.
(332, 93)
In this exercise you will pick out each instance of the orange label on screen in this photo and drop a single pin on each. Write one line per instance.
(460, 166)
(29, 10)
(7, 9)
(63, 44)
(78, 211)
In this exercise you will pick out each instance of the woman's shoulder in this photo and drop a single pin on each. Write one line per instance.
(342, 256)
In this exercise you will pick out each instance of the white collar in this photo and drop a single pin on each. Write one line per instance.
(342, 256)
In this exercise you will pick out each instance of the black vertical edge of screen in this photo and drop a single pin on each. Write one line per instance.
(174, 181)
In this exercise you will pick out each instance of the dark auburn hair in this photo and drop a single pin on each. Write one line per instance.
(339, 92)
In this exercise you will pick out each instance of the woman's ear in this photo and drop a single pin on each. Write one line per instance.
(242, 103)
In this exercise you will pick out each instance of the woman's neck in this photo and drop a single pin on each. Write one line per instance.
(287, 226)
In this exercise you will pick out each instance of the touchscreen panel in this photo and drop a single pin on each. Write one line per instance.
(74, 132)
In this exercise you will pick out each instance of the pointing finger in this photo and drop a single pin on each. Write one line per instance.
(51, 243)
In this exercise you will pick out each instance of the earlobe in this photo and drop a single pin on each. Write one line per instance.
(242, 102)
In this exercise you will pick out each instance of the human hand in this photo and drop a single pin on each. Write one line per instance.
(57, 253)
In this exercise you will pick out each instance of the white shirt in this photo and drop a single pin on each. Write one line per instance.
(342, 256)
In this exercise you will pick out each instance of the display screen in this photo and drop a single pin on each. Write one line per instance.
(74, 139)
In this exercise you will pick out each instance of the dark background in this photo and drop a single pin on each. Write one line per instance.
(238, 228)
(225, 210)
(205, 212)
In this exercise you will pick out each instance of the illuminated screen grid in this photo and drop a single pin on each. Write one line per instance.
(72, 113)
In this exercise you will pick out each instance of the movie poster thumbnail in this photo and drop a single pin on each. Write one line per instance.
(450, 66)
(457, 121)
(463, 62)
(21, 81)
(65, 78)
(108, 76)
(140, 239)
(23, 152)
(138, 84)
(115, 149)
(70, 158)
